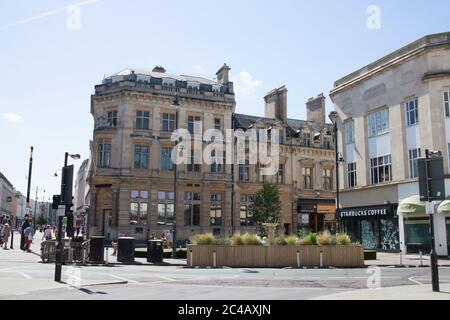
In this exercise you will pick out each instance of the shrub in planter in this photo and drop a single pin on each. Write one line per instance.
(343, 239)
(325, 238)
(237, 240)
(204, 239)
(291, 240)
(251, 240)
(278, 241)
(310, 239)
(222, 241)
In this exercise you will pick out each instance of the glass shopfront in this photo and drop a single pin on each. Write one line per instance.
(417, 234)
(374, 227)
(316, 215)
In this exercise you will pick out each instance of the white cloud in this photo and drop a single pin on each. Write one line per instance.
(245, 84)
(11, 117)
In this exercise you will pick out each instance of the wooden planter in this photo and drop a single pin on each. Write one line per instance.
(275, 256)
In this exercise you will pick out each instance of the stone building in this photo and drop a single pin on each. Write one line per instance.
(390, 112)
(7, 201)
(131, 179)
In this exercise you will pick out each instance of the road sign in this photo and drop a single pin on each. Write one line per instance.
(61, 211)
(429, 206)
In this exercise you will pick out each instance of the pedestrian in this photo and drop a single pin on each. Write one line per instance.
(48, 233)
(25, 225)
(6, 231)
(29, 234)
(1, 234)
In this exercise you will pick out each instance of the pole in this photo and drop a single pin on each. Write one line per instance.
(174, 236)
(433, 255)
(30, 169)
(59, 247)
(35, 210)
(337, 174)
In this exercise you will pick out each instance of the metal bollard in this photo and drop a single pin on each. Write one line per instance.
(84, 256)
(214, 259)
(421, 258)
(401, 257)
(298, 259)
(190, 258)
(321, 259)
(106, 255)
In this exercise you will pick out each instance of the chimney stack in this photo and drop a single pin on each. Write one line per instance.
(276, 104)
(316, 110)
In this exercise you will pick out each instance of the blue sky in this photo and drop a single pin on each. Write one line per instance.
(49, 70)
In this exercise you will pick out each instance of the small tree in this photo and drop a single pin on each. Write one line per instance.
(267, 207)
(41, 220)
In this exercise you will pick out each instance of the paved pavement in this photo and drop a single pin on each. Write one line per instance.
(412, 260)
(23, 277)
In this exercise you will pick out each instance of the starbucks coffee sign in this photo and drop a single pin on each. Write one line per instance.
(366, 212)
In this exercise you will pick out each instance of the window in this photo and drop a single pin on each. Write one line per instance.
(215, 210)
(412, 113)
(327, 180)
(280, 174)
(414, 155)
(166, 159)
(350, 132)
(306, 139)
(104, 154)
(194, 166)
(447, 103)
(379, 123)
(112, 118)
(218, 165)
(244, 169)
(141, 157)
(327, 143)
(217, 124)
(166, 208)
(246, 210)
(142, 120)
(139, 207)
(307, 178)
(351, 175)
(168, 122)
(381, 169)
(192, 209)
(192, 122)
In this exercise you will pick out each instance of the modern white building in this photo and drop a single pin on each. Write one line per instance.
(390, 112)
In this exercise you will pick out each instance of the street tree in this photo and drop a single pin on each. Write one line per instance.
(266, 207)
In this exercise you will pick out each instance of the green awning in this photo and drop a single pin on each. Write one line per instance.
(444, 207)
(411, 205)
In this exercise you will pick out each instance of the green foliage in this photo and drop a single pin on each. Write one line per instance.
(310, 239)
(237, 240)
(278, 241)
(204, 239)
(291, 240)
(325, 238)
(266, 207)
(225, 241)
(251, 239)
(343, 239)
(41, 220)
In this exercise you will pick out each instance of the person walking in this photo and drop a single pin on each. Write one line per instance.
(23, 239)
(6, 231)
(29, 234)
(48, 235)
(1, 234)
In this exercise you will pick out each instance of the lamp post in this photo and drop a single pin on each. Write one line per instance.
(176, 105)
(27, 206)
(65, 202)
(334, 116)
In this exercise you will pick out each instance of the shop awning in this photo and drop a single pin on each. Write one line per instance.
(444, 207)
(411, 205)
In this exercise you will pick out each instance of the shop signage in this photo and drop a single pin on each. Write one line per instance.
(326, 208)
(366, 212)
(305, 218)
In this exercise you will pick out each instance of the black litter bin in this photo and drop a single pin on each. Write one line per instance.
(155, 250)
(97, 250)
(125, 250)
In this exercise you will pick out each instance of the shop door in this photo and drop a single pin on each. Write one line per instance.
(370, 233)
(448, 235)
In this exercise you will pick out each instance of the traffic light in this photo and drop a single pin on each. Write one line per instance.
(67, 182)
(56, 201)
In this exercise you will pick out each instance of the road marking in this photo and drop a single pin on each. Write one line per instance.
(123, 279)
(26, 276)
(166, 278)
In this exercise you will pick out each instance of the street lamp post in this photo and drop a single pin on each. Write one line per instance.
(176, 105)
(334, 116)
(27, 206)
(64, 202)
